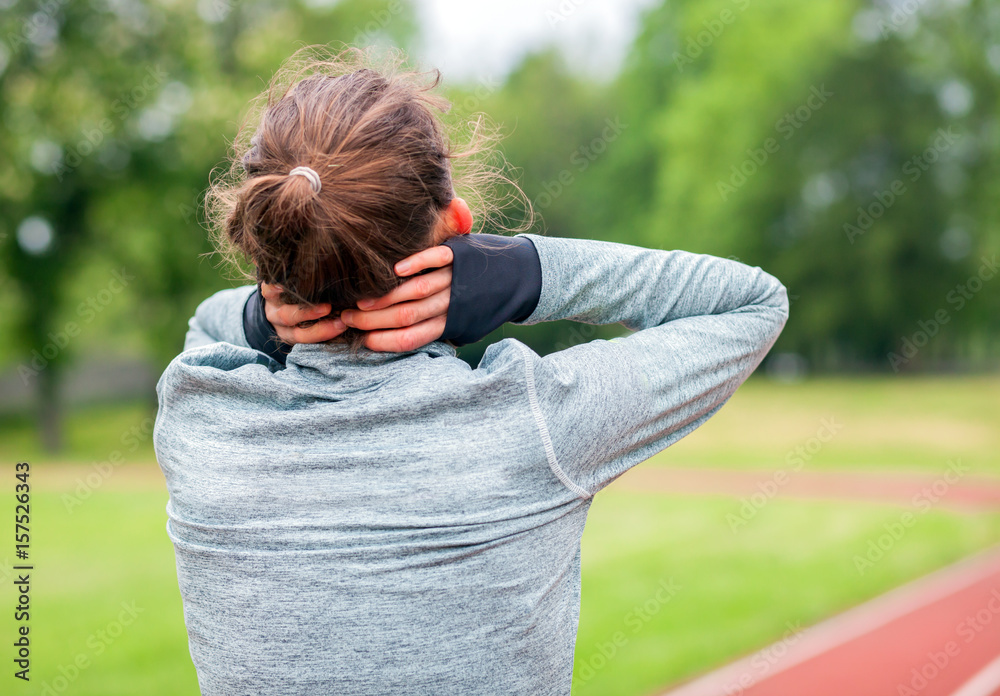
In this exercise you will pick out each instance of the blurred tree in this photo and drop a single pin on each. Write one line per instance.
(555, 125)
(777, 132)
(112, 115)
(849, 147)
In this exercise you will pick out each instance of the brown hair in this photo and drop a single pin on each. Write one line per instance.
(373, 132)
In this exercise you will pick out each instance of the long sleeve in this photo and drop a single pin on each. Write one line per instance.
(702, 325)
(220, 319)
(319, 520)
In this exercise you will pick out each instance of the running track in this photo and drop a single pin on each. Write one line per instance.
(936, 636)
(968, 494)
(871, 650)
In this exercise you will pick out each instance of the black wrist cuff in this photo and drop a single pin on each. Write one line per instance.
(259, 331)
(495, 279)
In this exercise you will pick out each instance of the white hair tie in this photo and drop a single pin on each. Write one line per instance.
(311, 175)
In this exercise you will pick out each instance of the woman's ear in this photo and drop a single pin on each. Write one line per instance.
(460, 217)
(455, 219)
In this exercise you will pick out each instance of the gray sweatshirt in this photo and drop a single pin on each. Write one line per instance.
(401, 523)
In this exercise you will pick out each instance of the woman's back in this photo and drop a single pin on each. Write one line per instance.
(335, 519)
(401, 523)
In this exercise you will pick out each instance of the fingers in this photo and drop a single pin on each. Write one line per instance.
(407, 339)
(317, 333)
(439, 257)
(291, 315)
(433, 257)
(410, 316)
(270, 292)
(399, 315)
(288, 315)
(413, 289)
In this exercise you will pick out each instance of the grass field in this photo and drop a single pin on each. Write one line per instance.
(880, 423)
(792, 566)
(669, 589)
(865, 424)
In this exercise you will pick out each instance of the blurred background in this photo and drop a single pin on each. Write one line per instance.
(849, 147)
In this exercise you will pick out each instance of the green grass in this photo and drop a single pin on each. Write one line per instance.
(885, 423)
(791, 564)
(735, 591)
(112, 549)
(91, 434)
(881, 423)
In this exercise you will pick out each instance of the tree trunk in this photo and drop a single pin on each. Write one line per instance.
(49, 411)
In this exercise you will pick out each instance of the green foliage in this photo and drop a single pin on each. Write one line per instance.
(555, 128)
(801, 137)
(112, 116)
(761, 137)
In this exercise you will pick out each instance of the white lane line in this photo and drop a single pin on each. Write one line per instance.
(985, 683)
(842, 628)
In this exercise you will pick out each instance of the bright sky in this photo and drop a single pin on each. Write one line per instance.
(473, 39)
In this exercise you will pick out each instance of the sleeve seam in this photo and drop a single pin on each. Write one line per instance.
(543, 429)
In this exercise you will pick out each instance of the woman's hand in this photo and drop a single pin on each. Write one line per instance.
(409, 317)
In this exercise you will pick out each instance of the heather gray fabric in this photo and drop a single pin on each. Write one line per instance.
(404, 524)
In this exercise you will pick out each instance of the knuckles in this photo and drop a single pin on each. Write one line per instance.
(407, 315)
(422, 286)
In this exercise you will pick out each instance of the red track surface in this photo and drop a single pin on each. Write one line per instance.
(937, 636)
(967, 494)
